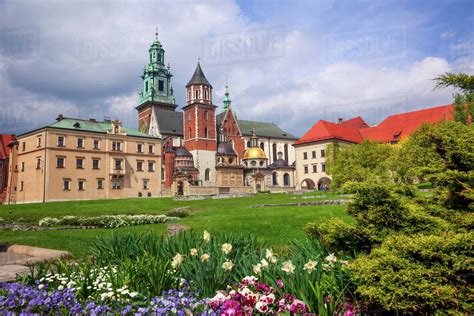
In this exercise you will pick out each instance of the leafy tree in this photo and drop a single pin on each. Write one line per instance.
(463, 110)
(358, 163)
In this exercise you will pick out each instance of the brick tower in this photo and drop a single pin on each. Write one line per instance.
(199, 117)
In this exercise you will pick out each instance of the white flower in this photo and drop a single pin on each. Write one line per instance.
(194, 252)
(249, 280)
(227, 265)
(269, 253)
(326, 267)
(177, 260)
(226, 248)
(60, 287)
(310, 266)
(261, 307)
(331, 258)
(344, 263)
(288, 267)
(206, 236)
(41, 286)
(257, 269)
(204, 258)
(264, 263)
(133, 294)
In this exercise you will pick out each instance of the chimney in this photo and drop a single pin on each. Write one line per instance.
(60, 117)
(340, 121)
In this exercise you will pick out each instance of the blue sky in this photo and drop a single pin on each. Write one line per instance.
(305, 61)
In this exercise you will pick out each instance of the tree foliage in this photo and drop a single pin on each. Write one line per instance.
(461, 81)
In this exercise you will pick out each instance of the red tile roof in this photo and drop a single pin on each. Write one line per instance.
(393, 128)
(324, 130)
(4, 141)
(399, 126)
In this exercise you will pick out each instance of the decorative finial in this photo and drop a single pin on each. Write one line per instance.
(156, 33)
(199, 60)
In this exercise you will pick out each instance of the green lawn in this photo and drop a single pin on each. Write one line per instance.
(276, 225)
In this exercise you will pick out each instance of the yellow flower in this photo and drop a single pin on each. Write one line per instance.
(204, 257)
(288, 267)
(331, 258)
(310, 266)
(326, 267)
(227, 265)
(226, 248)
(264, 263)
(344, 263)
(194, 252)
(257, 268)
(269, 253)
(177, 260)
(206, 236)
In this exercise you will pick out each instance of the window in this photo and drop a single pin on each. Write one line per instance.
(96, 144)
(79, 163)
(38, 142)
(189, 132)
(205, 94)
(95, 163)
(116, 184)
(118, 164)
(196, 94)
(315, 168)
(151, 166)
(206, 115)
(313, 154)
(38, 163)
(22, 166)
(22, 186)
(274, 178)
(189, 95)
(80, 185)
(116, 146)
(80, 143)
(305, 169)
(286, 153)
(66, 184)
(61, 141)
(189, 116)
(205, 132)
(248, 144)
(23, 146)
(305, 155)
(162, 173)
(323, 153)
(323, 167)
(100, 184)
(139, 165)
(274, 148)
(145, 184)
(161, 85)
(59, 162)
(140, 148)
(151, 149)
(262, 146)
(146, 86)
(286, 180)
(207, 174)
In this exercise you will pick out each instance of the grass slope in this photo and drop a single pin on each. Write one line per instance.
(276, 225)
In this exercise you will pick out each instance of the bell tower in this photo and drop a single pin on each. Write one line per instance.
(199, 118)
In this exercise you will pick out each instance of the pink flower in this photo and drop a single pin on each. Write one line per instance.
(298, 307)
(261, 307)
(280, 283)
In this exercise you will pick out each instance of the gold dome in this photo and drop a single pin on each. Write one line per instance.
(254, 153)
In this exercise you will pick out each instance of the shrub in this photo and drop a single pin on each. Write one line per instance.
(106, 221)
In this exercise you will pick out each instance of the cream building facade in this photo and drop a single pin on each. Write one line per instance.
(75, 159)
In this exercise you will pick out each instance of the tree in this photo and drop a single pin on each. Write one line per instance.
(360, 162)
(463, 111)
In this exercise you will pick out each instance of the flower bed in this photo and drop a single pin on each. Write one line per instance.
(105, 221)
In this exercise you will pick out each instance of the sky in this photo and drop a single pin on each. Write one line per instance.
(288, 62)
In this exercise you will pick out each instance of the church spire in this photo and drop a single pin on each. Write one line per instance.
(227, 101)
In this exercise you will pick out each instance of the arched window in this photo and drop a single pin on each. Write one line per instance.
(196, 94)
(286, 180)
(190, 133)
(274, 149)
(206, 115)
(205, 94)
(262, 146)
(162, 173)
(248, 144)
(205, 132)
(207, 174)
(274, 177)
(286, 153)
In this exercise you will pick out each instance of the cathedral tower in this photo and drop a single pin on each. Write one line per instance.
(156, 94)
(199, 119)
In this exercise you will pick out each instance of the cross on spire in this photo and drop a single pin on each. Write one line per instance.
(156, 33)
